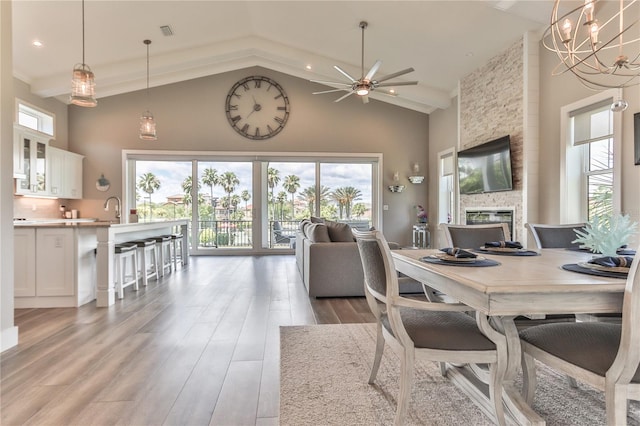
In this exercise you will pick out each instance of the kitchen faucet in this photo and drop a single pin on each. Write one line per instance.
(118, 205)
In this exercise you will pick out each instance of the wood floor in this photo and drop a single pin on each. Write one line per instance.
(198, 347)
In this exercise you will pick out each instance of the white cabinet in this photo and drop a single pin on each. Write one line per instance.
(55, 260)
(55, 157)
(65, 177)
(30, 161)
(54, 266)
(24, 255)
(73, 175)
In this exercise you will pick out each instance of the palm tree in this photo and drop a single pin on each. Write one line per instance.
(308, 196)
(149, 183)
(273, 179)
(246, 196)
(339, 197)
(187, 187)
(350, 195)
(210, 178)
(291, 184)
(229, 181)
(282, 197)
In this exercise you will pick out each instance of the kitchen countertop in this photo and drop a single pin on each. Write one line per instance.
(76, 223)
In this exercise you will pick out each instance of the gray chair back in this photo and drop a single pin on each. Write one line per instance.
(555, 236)
(474, 236)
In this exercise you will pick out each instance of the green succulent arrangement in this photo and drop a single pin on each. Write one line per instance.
(606, 235)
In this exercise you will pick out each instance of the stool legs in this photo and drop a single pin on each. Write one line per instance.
(125, 261)
(148, 263)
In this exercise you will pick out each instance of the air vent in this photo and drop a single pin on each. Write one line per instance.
(166, 30)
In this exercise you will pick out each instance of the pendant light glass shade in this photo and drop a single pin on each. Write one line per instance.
(147, 123)
(148, 127)
(83, 85)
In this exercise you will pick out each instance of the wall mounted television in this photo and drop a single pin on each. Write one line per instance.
(486, 167)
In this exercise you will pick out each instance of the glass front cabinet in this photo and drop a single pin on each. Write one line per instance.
(30, 161)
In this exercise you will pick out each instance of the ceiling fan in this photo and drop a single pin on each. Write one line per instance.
(366, 83)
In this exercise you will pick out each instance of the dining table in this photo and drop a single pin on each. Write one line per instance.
(513, 285)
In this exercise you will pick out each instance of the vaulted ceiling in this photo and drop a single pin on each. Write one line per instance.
(442, 40)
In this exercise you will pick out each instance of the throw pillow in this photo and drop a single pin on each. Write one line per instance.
(316, 219)
(303, 223)
(317, 233)
(339, 232)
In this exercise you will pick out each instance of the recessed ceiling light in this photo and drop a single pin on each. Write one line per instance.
(37, 43)
(392, 91)
(308, 67)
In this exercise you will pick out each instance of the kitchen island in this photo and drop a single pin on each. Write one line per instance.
(108, 237)
(68, 263)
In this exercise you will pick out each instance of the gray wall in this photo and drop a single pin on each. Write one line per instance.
(190, 117)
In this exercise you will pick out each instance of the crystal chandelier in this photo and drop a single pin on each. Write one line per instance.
(147, 123)
(596, 43)
(83, 86)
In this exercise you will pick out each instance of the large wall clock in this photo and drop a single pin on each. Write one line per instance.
(257, 107)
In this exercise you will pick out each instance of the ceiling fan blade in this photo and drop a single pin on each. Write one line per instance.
(365, 99)
(329, 91)
(331, 82)
(373, 70)
(395, 74)
(400, 83)
(342, 97)
(346, 74)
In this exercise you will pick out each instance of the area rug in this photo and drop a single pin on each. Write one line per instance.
(325, 368)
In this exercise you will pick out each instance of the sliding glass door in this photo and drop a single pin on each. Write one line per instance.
(250, 204)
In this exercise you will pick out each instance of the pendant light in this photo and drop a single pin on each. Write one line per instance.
(83, 86)
(147, 123)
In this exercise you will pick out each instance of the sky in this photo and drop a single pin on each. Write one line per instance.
(333, 175)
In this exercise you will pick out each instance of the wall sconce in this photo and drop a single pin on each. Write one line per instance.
(416, 177)
(396, 187)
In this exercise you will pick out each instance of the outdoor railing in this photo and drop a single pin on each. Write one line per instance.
(237, 233)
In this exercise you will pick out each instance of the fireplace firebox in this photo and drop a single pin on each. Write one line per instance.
(477, 216)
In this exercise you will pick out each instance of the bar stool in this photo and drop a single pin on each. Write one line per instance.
(177, 239)
(147, 259)
(123, 254)
(164, 253)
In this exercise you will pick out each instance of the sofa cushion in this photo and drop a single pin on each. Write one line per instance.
(316, 219)
(339, 232)
(317, 233)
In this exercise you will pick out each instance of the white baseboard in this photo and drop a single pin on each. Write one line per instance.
(8, 338)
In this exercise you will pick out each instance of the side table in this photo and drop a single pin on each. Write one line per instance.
(421, 236)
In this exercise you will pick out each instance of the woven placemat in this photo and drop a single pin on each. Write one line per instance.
(476, 263)
(574, 267)
(508, 252)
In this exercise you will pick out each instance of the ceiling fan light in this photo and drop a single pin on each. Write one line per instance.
(362, 91)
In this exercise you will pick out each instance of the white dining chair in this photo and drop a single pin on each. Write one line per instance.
(421, 330)
(604, 355)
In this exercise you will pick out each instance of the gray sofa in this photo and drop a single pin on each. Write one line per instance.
(333, 268)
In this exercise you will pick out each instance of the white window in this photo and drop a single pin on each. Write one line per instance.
(592, 184)
(35, 118)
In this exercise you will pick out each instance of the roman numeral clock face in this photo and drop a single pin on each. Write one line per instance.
(257, 107)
